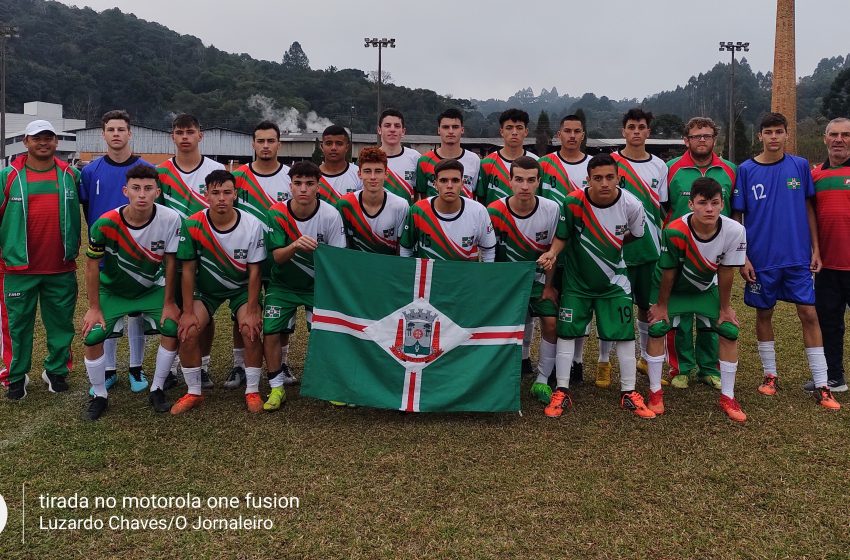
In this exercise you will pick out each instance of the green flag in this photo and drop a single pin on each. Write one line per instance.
(417, 335)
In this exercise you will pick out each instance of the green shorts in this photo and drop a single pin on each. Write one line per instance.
(705, 307)
(114, 307)
(280, 310)
(614, 320)
(234, 298)
(726, 329)
(640, 277)
(539, 307)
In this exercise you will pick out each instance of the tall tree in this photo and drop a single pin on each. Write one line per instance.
(836, 103)
(295, 59)
(668, 126)
(543, 134)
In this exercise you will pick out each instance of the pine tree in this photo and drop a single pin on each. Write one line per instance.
(295, 59)
(543, 134)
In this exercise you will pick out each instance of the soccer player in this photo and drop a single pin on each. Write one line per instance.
(401, 171)
(222, 249)
(450, 129)
(699, 160)
(832, 283)
(599, 221)
(259, 184)
(773, 194)
(102, 189)
(373, 218)
(449, 226)
(297, 227)
(339, 176)
(494, 181)
(135, 244)
(526, 225)
(699, 254)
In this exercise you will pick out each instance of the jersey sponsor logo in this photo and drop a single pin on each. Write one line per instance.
(654, 183)
(240, 254)
(467, 241)
(541, 235)
(742, 246)
(388, 233)
(410, 176)
(793, 183)
(320, 237)
(202, 189)
(158, 245)
(621, 229)
(565, 314)
(261, 243)
(754, 287)
(282, 196)
(13, 294)
(16, 199)
(272, 312)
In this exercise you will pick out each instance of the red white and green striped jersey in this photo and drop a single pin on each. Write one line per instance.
(324, 225)
(378, 233)
(525, 238)
(185, 191)
(683, 171)
(459, 237)
(401, 174)
(132, 256)
(593, 261)
(223, 256)
(832, 207)
(494, 178)
(425, 173)
(560, 177)
(697, 259)
(332, 187)
(647, 180)
(257, 192)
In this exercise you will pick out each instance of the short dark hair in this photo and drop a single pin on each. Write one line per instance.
(372, 154)
(185, 120)
(516, 115)
(219, 177)
(336, 130)
(600, 160)
(115, 115)
(773, 119)
(448, 165)
(305, 168)
(637, 114)
(391, 113)
(142, 171)
(706, 187)
(266, 125)
(450, 113)
(525, 162)
(571, 118)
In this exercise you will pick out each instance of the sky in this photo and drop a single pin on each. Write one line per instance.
(618, 48)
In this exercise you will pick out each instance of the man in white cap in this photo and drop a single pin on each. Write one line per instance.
(39, 242)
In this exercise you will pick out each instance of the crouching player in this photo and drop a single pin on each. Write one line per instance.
(222, 250)
(132, 241)
(699, 255)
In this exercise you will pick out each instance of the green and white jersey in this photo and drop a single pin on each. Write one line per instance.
(647, 180)
(132, 256)
(257, 192)
(425, 173)
(494, 178)
(332, 187)
(401, 174)
(525, 238)
(593, 262)
(561, 177)
(378, 233)
(185, 191)
(698, 259)
(325, 226)
(462, 236)
(223, 256)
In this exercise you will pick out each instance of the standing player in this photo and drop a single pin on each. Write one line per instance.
(599, 221)
(339, 177)
(698, 161)
(401, 171)
(297, 227)
(773, 194)
(699, 254)
(526, 226)
(373, 217)
(449, 226)
(450, 129)
(136, 244)
(222, 249)
(494, 181)
(101, 190)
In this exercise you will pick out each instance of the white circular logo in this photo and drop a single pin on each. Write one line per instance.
(4, 514)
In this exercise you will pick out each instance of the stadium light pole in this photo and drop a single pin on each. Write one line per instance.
(380, 44)
(730, 134)
(6, 32)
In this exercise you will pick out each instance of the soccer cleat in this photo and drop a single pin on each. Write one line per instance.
(111, 378)
(712, 381)
(680, 381)
(235, 379)
(286, 375)
(254, 402)
(823, 396)
(18, 389)
(577, 373)
(170, 382)
(769, 385)
(527, 368)
(642, 366)
(632, 400)
(138, 381)
(603, 375)
(276, 398)
(542, 392)
(97, 406)
(55, 383)
(731, 408)
(656, 402)
(835, 385)
(560, 401)
(158, 401)
(186, 403)
(206, 381)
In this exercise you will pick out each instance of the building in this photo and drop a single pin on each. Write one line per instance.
(16, 123)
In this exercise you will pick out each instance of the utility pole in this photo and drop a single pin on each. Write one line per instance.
(730, 134)
(380, 44)
(6, 32)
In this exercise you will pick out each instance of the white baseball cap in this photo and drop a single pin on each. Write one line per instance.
(35, 127)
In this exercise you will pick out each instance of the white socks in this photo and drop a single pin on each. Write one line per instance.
(275, 378)
(546, 361)
(643, 337)
(205, 363)
(110, 352)
(565, 350)
(284, 353)
(192, 376)
(654, 366)
(727, 378)
(252, 379)
(164, 359)
(628, 364)
(579, 355)
(239, 357)
(136, 339)
(96, 370)
(817, 363)
(605, 347)
(767, 353)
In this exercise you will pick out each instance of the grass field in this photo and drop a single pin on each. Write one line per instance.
(597, 483)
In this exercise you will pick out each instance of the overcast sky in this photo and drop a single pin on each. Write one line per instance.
(617, 48)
